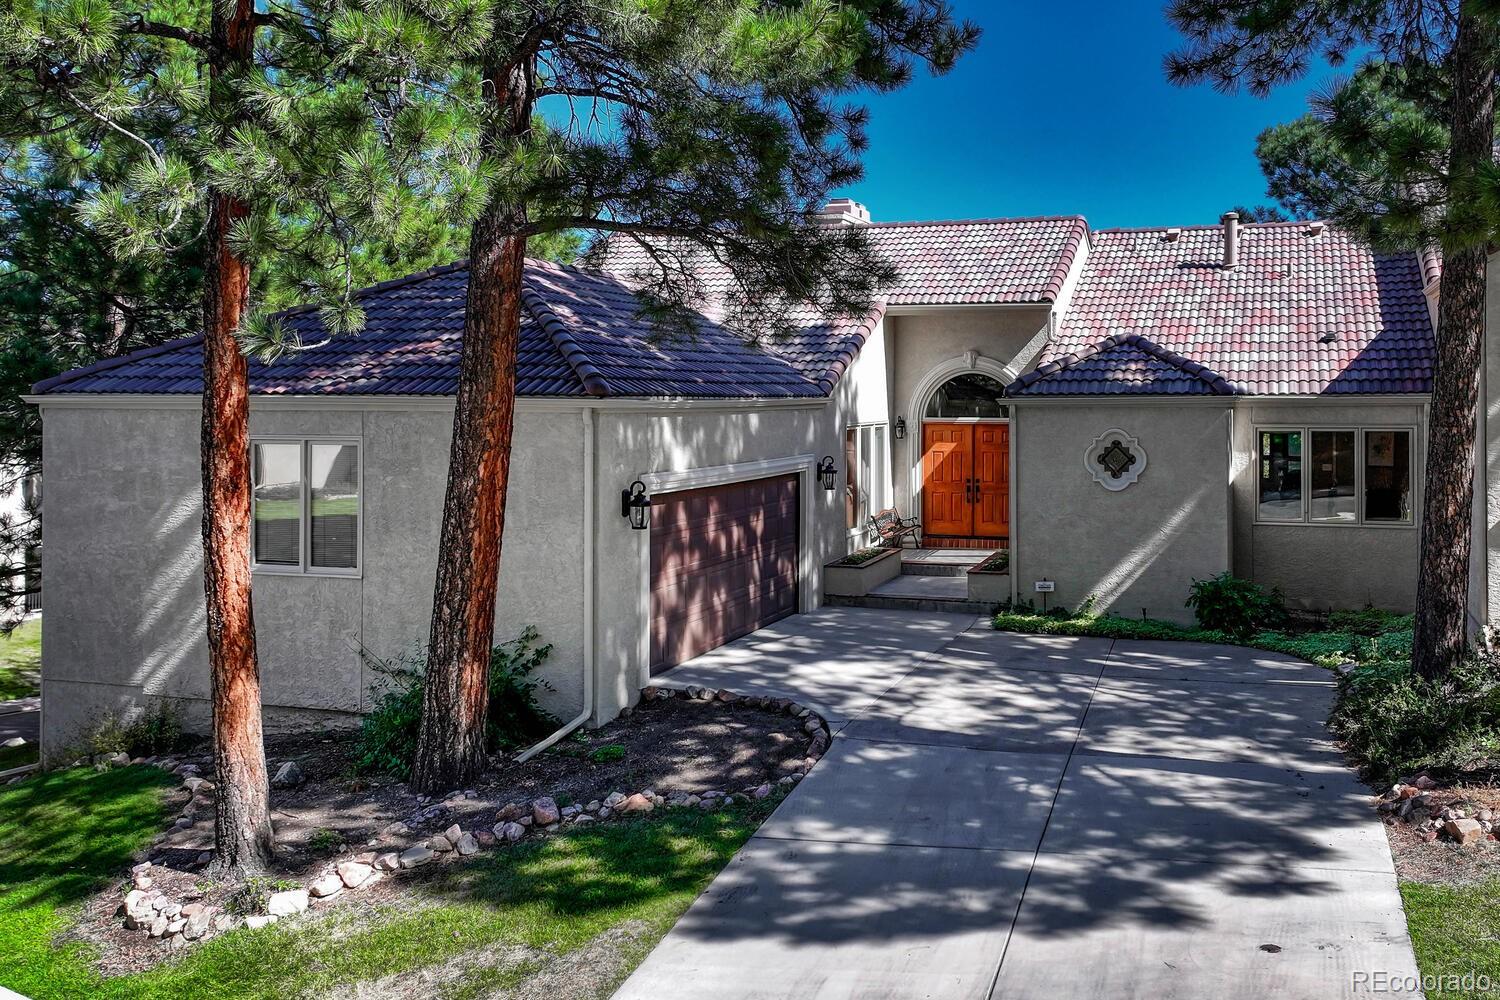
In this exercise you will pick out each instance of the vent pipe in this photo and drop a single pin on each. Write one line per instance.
(1231, 221)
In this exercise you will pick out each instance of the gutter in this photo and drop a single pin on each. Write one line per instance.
(590, 419)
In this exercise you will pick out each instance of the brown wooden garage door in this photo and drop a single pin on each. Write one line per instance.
(723, 564)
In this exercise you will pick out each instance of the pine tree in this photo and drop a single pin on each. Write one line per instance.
(709, 130)
(258, 124)
(1264, 43)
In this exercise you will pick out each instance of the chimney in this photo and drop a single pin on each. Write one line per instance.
(1231, 221)
(843, 212)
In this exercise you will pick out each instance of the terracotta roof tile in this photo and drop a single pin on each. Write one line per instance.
(1125, 364)
(580, 336)
(1300, 315)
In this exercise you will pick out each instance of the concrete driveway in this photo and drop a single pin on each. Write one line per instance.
(1041, 817)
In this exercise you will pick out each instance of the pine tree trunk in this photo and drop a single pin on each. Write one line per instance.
(243, 837)
(1448, 494)
(450, 749)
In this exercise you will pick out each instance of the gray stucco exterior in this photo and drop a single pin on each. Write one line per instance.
(123, 552)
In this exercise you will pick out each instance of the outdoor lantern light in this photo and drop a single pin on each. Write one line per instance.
(900, 428)
(636, 505)
(828, 474)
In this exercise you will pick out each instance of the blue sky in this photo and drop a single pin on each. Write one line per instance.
(1064, 108)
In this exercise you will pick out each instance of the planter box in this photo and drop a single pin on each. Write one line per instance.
(994, 587)
(857, 581)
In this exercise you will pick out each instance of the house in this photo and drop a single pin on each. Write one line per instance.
(1123, 410)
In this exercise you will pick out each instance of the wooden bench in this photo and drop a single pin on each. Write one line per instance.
(892, 530)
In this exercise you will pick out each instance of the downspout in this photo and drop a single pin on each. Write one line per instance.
(590, 416)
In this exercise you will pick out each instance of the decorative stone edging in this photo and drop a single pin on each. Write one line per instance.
(1422, 804)
(176, 923)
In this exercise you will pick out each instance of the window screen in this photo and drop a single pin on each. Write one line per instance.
(334, 496)
(278, 503)
(1332, 471)
(1281, 475)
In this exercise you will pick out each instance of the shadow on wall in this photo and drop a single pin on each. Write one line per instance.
(1112, 585)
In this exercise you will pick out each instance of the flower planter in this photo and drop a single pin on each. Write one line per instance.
(843, 580)
(990, 580)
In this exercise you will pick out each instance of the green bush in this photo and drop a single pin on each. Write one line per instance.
(388, 735)
(156, 729)
(1236, 607)
(1395, 722)
(1370, 622)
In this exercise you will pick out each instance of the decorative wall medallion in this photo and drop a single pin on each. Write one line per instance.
(1115, 460)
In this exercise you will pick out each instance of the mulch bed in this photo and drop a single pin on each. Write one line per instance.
(673, 746)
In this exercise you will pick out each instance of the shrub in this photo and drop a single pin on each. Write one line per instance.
(608, 752)
(325, 841)
(388, 735)
(156, 729)
(1395, 722)
(1370, 622)
(1236, 607)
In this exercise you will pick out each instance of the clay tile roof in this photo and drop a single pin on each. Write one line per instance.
(1300, 315)
(580, 336)
(1125, 364)
(967, 262)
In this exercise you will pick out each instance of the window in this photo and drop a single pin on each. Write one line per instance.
(1346, 476)
(866, 474)
(968, 395)
(307, 506)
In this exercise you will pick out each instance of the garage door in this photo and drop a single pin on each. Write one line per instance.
(723, 564)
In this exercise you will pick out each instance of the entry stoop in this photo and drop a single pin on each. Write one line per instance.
(929, 586)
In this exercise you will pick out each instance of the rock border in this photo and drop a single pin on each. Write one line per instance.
(180, 922)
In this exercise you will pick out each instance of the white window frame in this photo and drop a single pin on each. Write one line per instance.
(304, 538)
(1360, 433)
(879, 469)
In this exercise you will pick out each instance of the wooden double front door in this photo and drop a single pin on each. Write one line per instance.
(966, 480)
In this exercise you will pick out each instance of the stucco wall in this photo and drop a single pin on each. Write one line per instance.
(633, 444)
(919, 342)
(123, 561)
(1133, 550)
(1321, 566)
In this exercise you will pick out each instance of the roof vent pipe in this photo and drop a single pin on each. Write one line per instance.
(1231, 221)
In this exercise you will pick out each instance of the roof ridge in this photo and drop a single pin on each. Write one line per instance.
(105, 364)
(1288, 223)
(562, 338)
(1216, 382)
(914, 223)
(1076, 236)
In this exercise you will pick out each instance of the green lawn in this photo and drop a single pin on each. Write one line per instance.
(1455, 931)
(21, 660)
(64, 834)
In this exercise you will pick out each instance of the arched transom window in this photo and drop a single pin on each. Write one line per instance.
(968, 395)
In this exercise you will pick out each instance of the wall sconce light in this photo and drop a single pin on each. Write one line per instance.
(900, 428)
(636, 505)
(827, 474)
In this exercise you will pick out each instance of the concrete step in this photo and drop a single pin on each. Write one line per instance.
(927, 604)
(909, 568)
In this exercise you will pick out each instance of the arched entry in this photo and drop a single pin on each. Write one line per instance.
(965, 461)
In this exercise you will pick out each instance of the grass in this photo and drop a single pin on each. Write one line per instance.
(1455, 931)
(1345, 641)
(21, 660)
(64, 834)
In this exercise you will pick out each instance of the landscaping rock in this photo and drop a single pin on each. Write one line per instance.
(414, 857)
(453, 833)
(287, 902)
(583, 819)
(636, 803)
(762, 791)
(544, 811)
(440, 844)
(198, 924)
(485, 838)
(726, 696)
(613, 799)
(397, 829)
(388, 862)
(354, 873)
(509, 811)
(288, 775)
(158, 926)
(511, 832)
(1465, 831)
(593, 806)
(326, 885)
(258, 920)
(466, 845)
